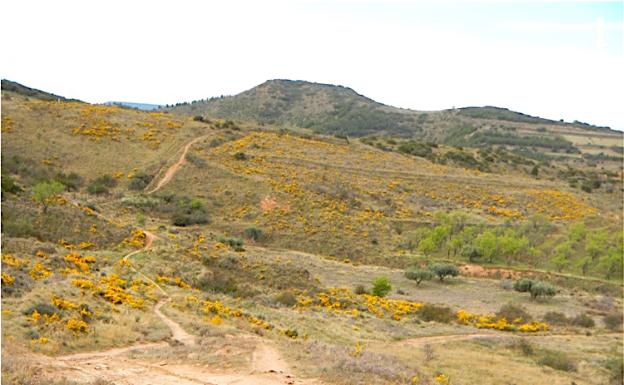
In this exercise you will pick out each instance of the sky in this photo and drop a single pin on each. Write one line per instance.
(558, 59)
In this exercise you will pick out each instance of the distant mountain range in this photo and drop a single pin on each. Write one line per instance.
(138, 106)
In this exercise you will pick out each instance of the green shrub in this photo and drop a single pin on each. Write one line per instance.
(254, 233)
(443, 270)
(535, 288)
(100, 185)
(196, 160)
(430, 312)
(419, 275)
(381, 287)
(583, 320)
(513, 312)
(71, 181)
(9, 185)
(139, 181)
(613, 321)
(555, 318)
(542, 289)
(557, 360)
(523, 285)
(189, 212)
(41, 308)
(240, 156)
(235, 243)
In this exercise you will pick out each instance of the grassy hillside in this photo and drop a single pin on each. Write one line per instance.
(268, 248)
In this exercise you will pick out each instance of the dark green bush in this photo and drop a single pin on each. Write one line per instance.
(254, 233)
(72, 181)
(240, 156)
(9, 185)
(381, 287)
(139, 181)
(535, 288)
(196, 160)
(419, 275)
(189, 212)
(443, 270)
(437, 313)
(101, 185)
(235, 243)
(41, 308)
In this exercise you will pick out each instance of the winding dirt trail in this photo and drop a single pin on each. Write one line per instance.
(267, 367)
(174, 167)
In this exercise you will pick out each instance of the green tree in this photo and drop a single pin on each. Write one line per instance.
(43, 191)
(595, 244)
(577, 232)
(510, 245)
(487, 244)
(443, 270)
(381, 287)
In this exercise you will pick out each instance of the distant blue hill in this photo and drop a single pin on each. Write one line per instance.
(138, 106)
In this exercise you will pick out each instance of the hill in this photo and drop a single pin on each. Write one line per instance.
(14, 87)
(338, 110)
(153, 247)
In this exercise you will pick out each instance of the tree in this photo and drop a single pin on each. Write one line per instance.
(419, 275)
(510, 245)
(470, 252)
(595, 245)
(42, 192)
(381, 287)
(487, 244)
(443, 270)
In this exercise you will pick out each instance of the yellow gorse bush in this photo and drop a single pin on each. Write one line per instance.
(63, 304)
(7, 279)
(343, 301)
(11, 260)
(491, 322)
(39, 272)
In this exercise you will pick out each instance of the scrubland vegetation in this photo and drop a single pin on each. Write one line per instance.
(362, 264)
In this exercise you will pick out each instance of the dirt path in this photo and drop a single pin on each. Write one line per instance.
(177, 332)
(174, 167)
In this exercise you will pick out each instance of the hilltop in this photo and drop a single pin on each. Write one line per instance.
(337, 110)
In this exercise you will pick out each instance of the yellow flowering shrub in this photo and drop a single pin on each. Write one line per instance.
(491, 322)
(76, 325)
(39, 272)
(7, 279)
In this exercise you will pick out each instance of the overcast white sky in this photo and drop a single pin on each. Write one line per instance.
(559, 60)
